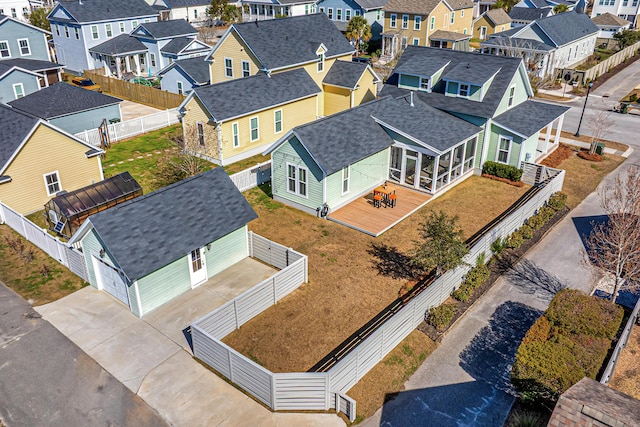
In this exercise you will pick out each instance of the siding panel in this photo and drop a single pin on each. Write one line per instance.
(164, 284)
(227, 251)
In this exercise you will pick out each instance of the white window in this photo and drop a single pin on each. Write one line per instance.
(405, 22)
(462, 13)
(108, 30)
(76, 32)
(416, 42)
(122, 29)
(18, 90)
(424, 83)
(52, 183)
(453, 17)
(200, 131)
(277, 121)
(347, 14)
(392, 20)
(463, 89)
(246, 70)
(152, 58)
(66, 31)
(134, 24)
(464, 31)
(330, 13)
(180, 89)
(195, 13)
(236, 134)
(504, 149)
(4, 49)
(345, 180)
(321, 62)
(94, 32)
(297, 180)
(147, 20)
(25, 11)
(228, 67)
(512, 91)
(57, 30)
(322, 10)
(23, 44)
(338, 14)
(255, 131)
(417, 21)
(569, 57)
(432, 25)
(13, 12)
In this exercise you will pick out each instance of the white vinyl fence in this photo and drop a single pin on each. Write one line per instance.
(253, 176)
(326, 390)
(133, 127)
(60, 251)
(622, 343)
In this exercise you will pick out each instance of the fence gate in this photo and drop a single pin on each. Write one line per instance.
(346, 405)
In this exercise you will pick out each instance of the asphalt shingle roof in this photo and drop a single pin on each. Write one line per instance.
(62, 99)
(468, 72)
(539, 4)
(415, 7)
(173, 4)
(610, 20)
(460, 4)
(151, 231)
(237, 98)
(196, 68)
(499, 40)
(448, 35)
(371, 4)
(176, 45)
(16, 125)
(30, 64)
(345, 74)
(479, 63)
(124, 43)
(530, 117)
(172, 28)
(498, 16)
(105, 10)
(566, 27)
(284, 42)
(527, 14)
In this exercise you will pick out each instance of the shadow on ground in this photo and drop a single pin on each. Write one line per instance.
(530, 278)
(585, 225)
(391, 262)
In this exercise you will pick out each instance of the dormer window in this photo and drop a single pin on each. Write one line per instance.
(321, 62)
(424, 83)
(463, 90)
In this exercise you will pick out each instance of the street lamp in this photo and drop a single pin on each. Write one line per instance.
(583, 108)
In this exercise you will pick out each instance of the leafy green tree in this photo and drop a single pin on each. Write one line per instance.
(626, 38)
(507, 5)
(216, 9)
(560, 8)
(358, 31)
(441, 245)
(231, 14)
(38, 18)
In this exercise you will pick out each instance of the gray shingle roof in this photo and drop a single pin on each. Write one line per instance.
(567, 27)
(530, 117)
(30, 64)
(105, 10)
(345, 74)
(151, 231)
(539, 3)
(238, 97)
(171, 28)
(448, 35)
(470, 72)
(498, 16)
(16, 126)
(416, 65)
(124, 43)
(176, 45)
(527, 14)
(284, 42)
(514, 42)
(196, 68)
(417, 55)
(335, 143)
(371, 4)
(610, 20)
(415, 7)
(173, 4)
(62, 99)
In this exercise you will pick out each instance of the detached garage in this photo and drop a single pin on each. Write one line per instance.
(151, 249)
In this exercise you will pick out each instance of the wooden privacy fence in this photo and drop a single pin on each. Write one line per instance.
(52, 246)
(616, 59)
(252, 177)
(622, 343)
(136, 92)
(133, 127)
(325, 388)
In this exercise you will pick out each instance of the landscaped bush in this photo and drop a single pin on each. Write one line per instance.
(515, 240)
(498, 246)
(557, 201)
(540, 331)
(500, 170)
(546, 213)
(526, 232)
(463, 293)
(439, 317)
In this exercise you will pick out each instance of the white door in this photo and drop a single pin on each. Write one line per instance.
(197, 267)
(483, 33)
(111, 280)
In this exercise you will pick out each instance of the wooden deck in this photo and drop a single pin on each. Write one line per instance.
(363, 216)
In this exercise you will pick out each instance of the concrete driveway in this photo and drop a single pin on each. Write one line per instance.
(152, 359)
(133, 110)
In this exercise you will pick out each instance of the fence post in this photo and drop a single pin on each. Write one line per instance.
(168, 117)
(115, 134)
(141, 124)
(275, 298)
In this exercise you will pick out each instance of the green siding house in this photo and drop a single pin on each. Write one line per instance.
(486, 90)
(324, 165)
(151, 249)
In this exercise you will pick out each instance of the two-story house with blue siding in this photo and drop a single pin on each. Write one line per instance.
(341, 11)
(79, 25)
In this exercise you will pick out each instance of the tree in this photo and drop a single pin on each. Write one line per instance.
(599, 125)
(358, 31)
(38, 18)
(216, 9)
(614, 246)
(626, 38)
(441, 246)
(231, 14)
(507, 5)
(560, 8)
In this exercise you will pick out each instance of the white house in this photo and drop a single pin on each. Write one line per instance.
(610, 24)
(626, 9)
(193, 11)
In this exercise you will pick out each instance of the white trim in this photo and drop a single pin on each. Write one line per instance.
(179, 87)
(510, 96)
(28, 47)
(138, 302)
(275, 122)
(226, 74)
(393, 20)
(417, 24)
(297, 180)
(8, 49)
(348, 180)
(58, 182)
(93, 35)
(108, 28)
(200, 126)
(498, 149)
(15, 92)
(404, 22)
(251, 138)
(243, 62)
(235, 134)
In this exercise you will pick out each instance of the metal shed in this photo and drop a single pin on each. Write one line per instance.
(66, 212)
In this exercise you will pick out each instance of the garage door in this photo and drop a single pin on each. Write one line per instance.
(110, 280)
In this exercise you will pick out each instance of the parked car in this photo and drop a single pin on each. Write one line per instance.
(86, 83)
(364, 60)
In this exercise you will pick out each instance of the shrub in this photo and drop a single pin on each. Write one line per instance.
(463, 293)
(535, 222)
(546, 213)
(557, 201)
(477, 275)
(501, 170)
(515, 240)
(540, 331)
(439, 317)
(526, 232)
(525, 419)
(498, 246)
(633, 97)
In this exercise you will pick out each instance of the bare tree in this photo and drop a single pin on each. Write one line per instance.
(600, 123)
(614, 246)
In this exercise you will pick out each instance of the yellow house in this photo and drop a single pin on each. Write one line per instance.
(38, 160)
(491, 22)
(436, 23)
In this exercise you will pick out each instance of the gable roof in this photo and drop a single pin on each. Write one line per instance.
(479, 63)
(151, 231)
(610, 20)
(539, 4)
(119, 45)
(180, 44)
(196, 68)
(470, 71)
(30, 64)
(62, 99)
(459, 4)
(414, 7)
(528, 14)
(345, 74)
(448, 35)
(529, 117)
(6, 69)
(236, 98)
(165, 29)
(4, 18)
(174, 4)
(566, 27)
(371, 4)
(498, 16)
(281, 43)
(85, 11)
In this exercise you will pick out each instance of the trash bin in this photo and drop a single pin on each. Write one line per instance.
(600, 148)
(624, 108)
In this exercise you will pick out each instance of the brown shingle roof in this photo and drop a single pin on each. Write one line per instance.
(610, 20)
(498, 16)
(449, 35)
(459, 4)
(414, 7)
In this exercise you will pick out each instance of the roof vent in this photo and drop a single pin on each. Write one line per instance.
(411, 98)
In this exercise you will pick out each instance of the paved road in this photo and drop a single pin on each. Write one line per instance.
(465, 382)
(46, 380)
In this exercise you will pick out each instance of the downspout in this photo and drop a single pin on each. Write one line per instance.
(485, 142)
(219, 130)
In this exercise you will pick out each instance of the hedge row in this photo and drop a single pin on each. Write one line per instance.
(570, 341)
(556, 202)
(501, 170)
(474, 278)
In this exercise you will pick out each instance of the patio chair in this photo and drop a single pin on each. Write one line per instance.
(377, 200)
(392, 199)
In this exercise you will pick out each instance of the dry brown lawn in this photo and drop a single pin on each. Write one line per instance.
(346, 285)
(586, 138)
(626, 377)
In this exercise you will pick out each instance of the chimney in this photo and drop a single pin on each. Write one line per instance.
(411, 98)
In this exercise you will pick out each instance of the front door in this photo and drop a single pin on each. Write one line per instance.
(197, 267)
(483, 33)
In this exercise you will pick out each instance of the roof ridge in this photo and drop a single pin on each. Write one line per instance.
(350, 110)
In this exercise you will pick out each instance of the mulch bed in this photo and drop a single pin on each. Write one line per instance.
(497, 267)
(560, 154)
(584, 154)
(505, 180)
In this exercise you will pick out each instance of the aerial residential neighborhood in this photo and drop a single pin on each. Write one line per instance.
(319, 213)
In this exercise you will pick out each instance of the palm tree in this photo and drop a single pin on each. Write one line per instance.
(358, 31)
(507, 5)
(560, 8)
